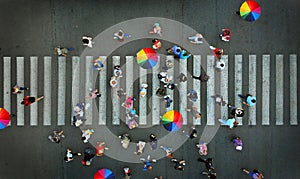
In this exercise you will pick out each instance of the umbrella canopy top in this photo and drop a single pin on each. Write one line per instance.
(250, 10)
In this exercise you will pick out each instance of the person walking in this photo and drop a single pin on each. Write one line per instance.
(86, 135)
(87, 41)
(182, 77)
(156, 29)
(194, 110)
(234, 111)
(18, 89)
(175, 50)
(210, 174)
(179, 165)
(225, 35)
(120, 36)
(147, 163)
(220, 65)
(56, 135)
(255, 174)
(217, 52)
(184, 55)
(229, 122)
(192, 95)
(208, 163)
(219, 100)
(28, 100)
(196, 39)
(94, 94)
(69, 155)
(192, 133)
(238, 143)
(156, 44)
(203, 77)
(88, 157)
(168, 150)
(248, 100)
(62, 51)
(117, 71)
(153, 141)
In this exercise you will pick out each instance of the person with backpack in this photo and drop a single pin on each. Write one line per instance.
(255, 174)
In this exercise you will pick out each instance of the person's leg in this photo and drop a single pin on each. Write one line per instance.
(40, 98)
(222, 121)
(196, 77)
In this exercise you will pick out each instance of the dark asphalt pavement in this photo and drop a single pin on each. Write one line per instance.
(36, 27)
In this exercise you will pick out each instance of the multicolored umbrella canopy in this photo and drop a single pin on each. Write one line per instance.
(250, 10)
(147, 58)
(104, 174)
(4, 118)
(172, 120)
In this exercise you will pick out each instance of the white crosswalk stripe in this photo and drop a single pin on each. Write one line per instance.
(238, 59)
(252, 88)
(197, 85)
(224, 85)
(266, 90)
(116, 103)
(61, 101)
(7, 84)
(293, 89)
(89, 73)
(155, 100)
(103, 84)
(20, 82)
(279, 89)
(210, 91)
(33, 89)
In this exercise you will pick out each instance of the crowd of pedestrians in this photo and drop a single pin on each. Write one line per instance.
(167, 83)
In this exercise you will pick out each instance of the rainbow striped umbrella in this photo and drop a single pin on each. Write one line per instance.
(147, 58)
(104, 174)
(172, 120)
(250, 10)
(4, 118)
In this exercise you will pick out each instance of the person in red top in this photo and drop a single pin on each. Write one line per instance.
(226, 35)
(217, 52)
(156, 44)
(28, 100)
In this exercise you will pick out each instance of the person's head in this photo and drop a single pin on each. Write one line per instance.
(120, 33)
(88, 163)
(152, 136)
(85, 41)
(149, 168)
(198, 115)
(235, 124)
(22, 102)
(156, 24)
(253, 101)
(154, 40)
(56, 139)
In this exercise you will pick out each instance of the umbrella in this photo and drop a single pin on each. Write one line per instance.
(147, 58)
(104, 174)
(172, 120)
(4, 118)
(250, 10)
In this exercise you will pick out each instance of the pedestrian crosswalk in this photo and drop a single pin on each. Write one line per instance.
(248, 74)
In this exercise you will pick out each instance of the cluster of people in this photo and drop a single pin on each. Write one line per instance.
(168, 83)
